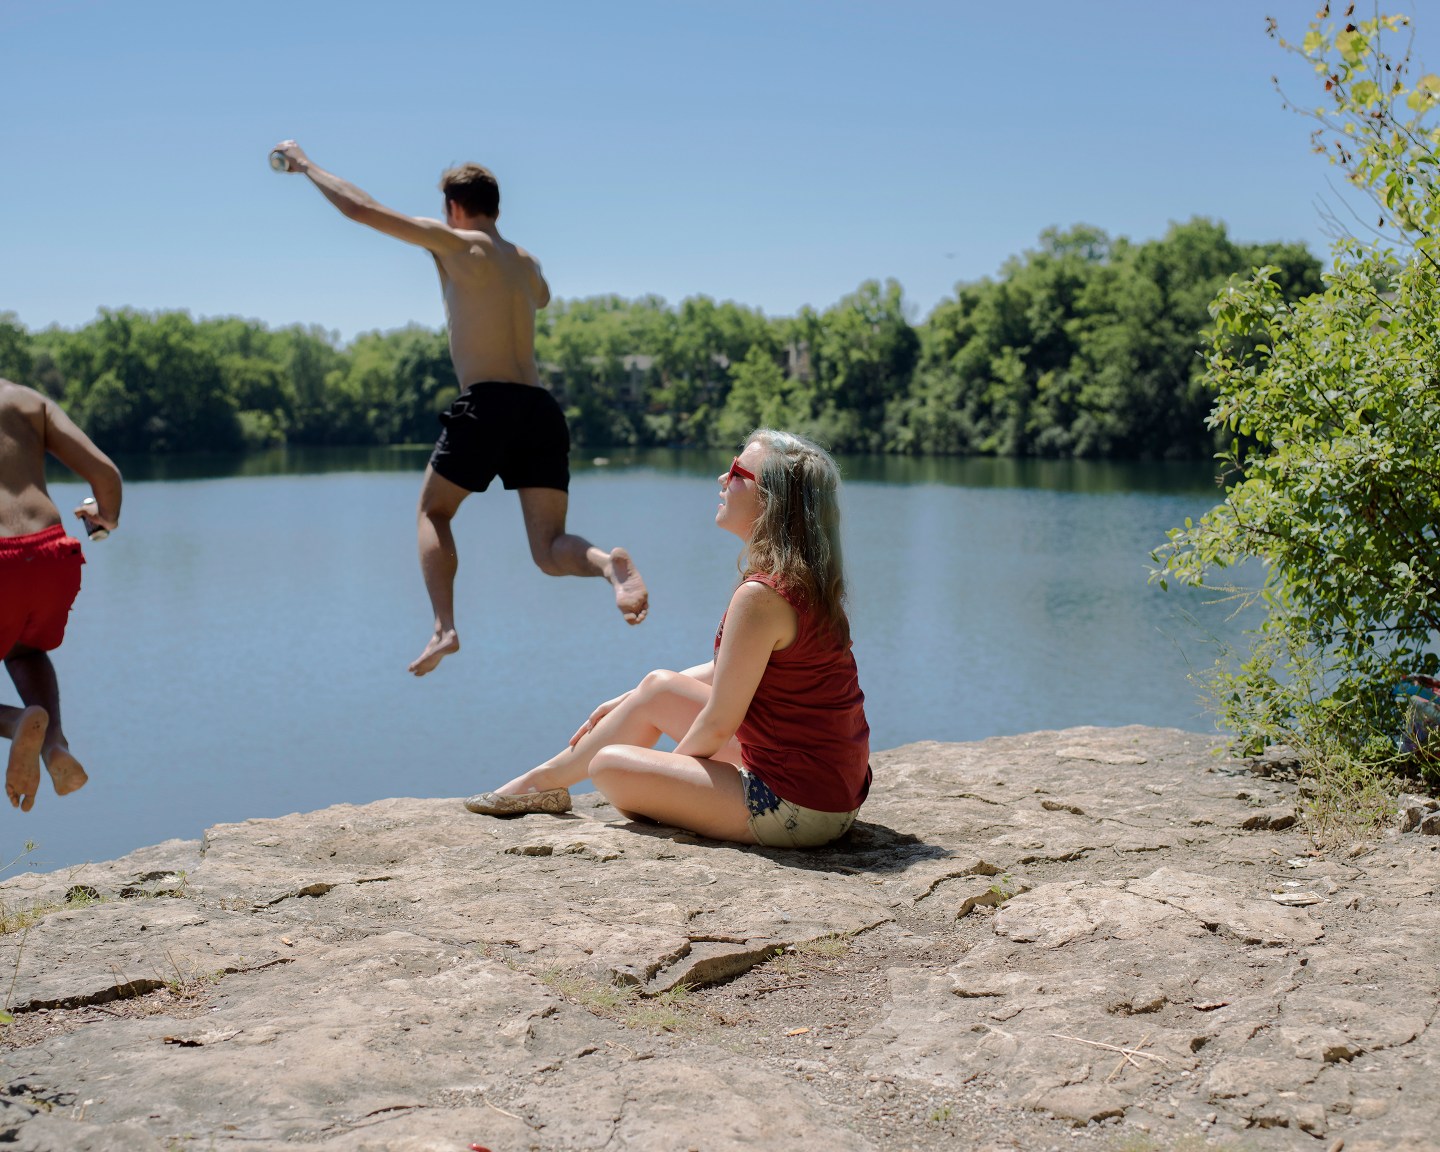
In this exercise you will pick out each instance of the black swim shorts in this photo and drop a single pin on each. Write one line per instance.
(514, 431)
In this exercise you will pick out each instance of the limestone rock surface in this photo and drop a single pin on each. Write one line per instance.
(1092, 938)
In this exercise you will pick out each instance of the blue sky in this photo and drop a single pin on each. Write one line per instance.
(773, 152)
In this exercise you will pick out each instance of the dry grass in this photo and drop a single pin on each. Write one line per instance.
(1345, 801)
(830, 947)
(669, 1011)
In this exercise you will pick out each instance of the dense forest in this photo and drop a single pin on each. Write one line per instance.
(1085, 346)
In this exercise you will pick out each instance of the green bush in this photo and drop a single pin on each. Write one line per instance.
(1333, 481)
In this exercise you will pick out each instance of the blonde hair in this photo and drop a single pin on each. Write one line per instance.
(796, 538)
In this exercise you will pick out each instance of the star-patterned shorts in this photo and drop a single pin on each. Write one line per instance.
(778, 823)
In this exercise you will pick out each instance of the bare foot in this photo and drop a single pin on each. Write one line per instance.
(65, 771)
(630, 595)
(442, 644)
(22, 777)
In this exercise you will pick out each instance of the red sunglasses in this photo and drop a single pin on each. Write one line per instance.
(736, 470)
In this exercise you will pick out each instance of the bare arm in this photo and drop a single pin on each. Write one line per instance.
(360, 206)
(759, 621)
(69, 445)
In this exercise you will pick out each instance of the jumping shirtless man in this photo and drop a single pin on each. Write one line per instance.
(39, 578)
(504, 423)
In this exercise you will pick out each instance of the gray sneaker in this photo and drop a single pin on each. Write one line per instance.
(493, 804)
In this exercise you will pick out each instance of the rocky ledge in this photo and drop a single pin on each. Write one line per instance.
(1096, 938)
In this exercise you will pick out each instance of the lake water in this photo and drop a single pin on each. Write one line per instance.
(239, 647)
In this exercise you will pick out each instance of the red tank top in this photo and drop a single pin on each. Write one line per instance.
(805, 734)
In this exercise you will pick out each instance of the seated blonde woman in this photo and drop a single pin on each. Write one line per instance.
(772, 743)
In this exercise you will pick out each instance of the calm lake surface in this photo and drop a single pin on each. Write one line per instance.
(239, 647)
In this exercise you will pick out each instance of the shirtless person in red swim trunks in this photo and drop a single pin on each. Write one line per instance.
(504, 423)
(39, 577)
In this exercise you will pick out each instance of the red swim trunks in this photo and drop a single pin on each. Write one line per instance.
(39, 578)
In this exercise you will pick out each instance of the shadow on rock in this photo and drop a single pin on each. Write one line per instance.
(866, 847)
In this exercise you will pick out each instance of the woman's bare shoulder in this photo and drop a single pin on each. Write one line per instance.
(753, 590)
(758, 606)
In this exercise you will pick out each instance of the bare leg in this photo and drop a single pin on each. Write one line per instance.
(34, 678)
(664, 703)
(704, 796)
(560, 553)
(439, 501)
(25, 729)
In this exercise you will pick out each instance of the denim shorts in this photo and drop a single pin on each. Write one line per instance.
(778, 823)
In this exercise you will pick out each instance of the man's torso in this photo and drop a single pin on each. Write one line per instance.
(492, 291)
(25, 505)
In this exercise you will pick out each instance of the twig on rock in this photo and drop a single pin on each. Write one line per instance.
(1127, 1054)
(1127, 1057)
(510, 1114)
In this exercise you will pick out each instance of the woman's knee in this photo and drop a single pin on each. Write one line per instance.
(629, 762)
(656, 682)
(610, 760)
(612, 769)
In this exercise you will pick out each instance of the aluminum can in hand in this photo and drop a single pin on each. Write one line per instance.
(93, 530)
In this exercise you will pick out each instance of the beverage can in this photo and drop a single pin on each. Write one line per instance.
(93, 530)
(278, 161)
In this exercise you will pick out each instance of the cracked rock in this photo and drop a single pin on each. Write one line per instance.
(1040, 933)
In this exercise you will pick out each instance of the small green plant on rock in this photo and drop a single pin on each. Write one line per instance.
(668, 1011)
(784, 962)
(19, 919)
(192, 985)
(82, 896)
(175, 885)
(1003, 888)
(831, 947)
(597, 996)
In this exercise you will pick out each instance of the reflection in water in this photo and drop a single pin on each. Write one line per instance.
(1087, 477)
(239, 646)
(1077, 476)
(287, 461)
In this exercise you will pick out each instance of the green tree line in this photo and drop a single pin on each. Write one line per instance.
(1085, 346)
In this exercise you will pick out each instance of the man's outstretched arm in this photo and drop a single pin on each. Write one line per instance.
(360, 206)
